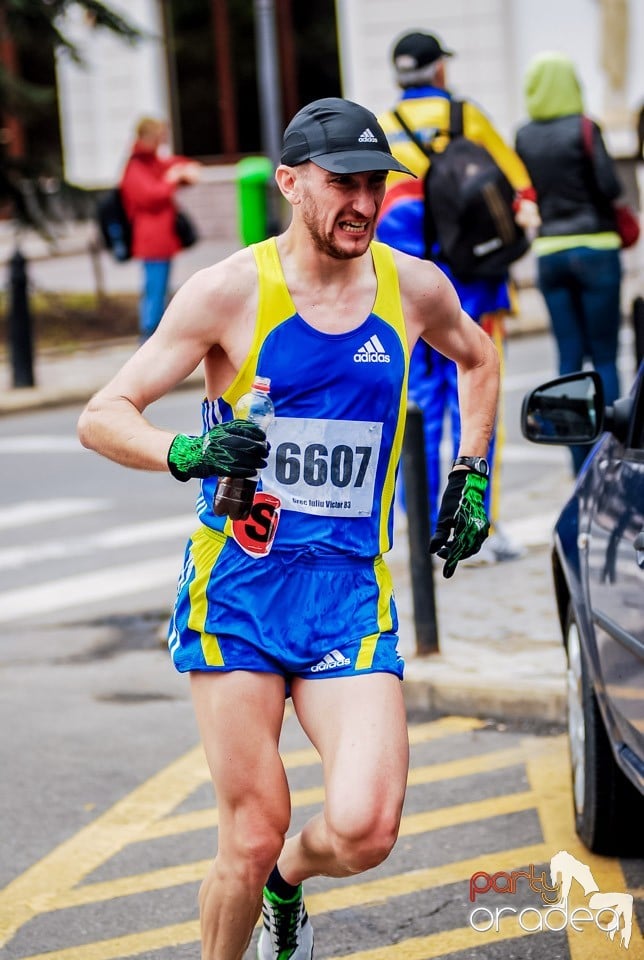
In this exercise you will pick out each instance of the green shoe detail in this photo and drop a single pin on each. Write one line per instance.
(287, 933)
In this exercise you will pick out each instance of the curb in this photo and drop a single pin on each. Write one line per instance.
(545, 701)
(23, 399)
(18, 399)
(39, 398)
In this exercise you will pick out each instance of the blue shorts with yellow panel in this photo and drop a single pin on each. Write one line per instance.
(295, 613)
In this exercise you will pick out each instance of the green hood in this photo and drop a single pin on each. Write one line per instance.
(551, 87)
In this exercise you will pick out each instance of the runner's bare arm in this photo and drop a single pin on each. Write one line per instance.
(433, 312)
(211, 317)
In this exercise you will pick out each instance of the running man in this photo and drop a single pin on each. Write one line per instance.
(297, 600)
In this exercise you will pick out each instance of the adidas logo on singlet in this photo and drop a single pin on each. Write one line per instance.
(372, 352)
(331, 661)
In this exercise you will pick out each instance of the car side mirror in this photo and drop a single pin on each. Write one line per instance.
(568, 410)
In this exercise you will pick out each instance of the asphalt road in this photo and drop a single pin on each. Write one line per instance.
(107, 818)
(482, 800)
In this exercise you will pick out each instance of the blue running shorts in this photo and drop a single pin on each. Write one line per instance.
(295, 614)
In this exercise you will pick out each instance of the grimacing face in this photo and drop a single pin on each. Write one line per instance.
(340, 210)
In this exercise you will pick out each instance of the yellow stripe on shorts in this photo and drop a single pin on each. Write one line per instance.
(367, 649)
(206, 547)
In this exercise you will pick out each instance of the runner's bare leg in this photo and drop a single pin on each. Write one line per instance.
(240, 715)
(359, 726)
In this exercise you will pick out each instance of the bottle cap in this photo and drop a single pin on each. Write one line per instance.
(262, 383)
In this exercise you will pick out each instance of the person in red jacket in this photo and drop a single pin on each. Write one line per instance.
(148, 186)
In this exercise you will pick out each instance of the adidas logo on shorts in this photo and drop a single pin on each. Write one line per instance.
(331, 661)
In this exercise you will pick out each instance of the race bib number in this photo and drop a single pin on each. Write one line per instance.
(256, 533)
(324, 467)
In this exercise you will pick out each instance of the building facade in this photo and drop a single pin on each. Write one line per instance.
(101, 99)
(493, 42)
(203, 66)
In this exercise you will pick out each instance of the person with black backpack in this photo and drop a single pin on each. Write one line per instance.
(468, 211)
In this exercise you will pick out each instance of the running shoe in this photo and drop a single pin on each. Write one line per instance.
(287, 933)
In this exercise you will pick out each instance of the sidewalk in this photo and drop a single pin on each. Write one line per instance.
(500, 644)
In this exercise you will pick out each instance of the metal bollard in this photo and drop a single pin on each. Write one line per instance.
(638, 327)
(19, 324)
(420, 560)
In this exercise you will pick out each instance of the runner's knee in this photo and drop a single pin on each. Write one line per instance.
(250, 855)
(251, 840)
(362, 843)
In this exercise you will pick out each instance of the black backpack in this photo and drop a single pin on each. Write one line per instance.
(469, 220)
(115, 228)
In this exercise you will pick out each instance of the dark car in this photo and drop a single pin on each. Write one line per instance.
(598, 570)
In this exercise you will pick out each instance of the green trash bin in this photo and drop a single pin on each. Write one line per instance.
(253, 175)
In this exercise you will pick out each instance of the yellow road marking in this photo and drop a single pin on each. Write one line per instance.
(442, 944)
(192, 872)
(419, 733)
(550, 780)
(547, 765)
(134, 883)
(467, 813)
(127, 821)
(403, 884)
(130, 945)
(338, 898)
(444, 727)
(33, 891)
(204, 819)
(432, 773)
(467, 766)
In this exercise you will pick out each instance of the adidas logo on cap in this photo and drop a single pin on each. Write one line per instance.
(367, 136)
(372, 352)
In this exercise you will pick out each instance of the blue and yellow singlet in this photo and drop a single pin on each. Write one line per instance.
(340, 404)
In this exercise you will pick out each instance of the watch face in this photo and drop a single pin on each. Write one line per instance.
(478, 464)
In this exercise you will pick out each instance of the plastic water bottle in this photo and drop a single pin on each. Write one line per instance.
(234, 495)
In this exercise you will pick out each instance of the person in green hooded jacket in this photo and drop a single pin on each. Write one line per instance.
(577, 247)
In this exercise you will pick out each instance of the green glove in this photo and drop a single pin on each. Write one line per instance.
(236, 448)
(461, 516)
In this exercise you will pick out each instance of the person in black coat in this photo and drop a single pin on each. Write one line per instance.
(577, 247)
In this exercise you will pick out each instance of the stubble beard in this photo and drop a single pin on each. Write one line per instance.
(324, 243)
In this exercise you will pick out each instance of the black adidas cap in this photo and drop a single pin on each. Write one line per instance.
(340, 136)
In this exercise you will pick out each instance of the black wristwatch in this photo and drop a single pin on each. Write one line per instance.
(478, 464)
